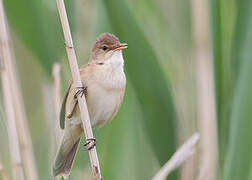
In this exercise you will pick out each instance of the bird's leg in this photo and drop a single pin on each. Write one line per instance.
(90, 143)
(81, 91)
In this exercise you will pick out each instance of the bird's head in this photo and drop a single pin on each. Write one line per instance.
(106, 47)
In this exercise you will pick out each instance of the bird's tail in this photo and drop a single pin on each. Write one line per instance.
(67, 151)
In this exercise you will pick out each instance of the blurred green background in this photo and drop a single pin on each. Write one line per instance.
(159, 111)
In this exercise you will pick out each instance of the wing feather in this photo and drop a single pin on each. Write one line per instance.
(69, 99)
(63, 109)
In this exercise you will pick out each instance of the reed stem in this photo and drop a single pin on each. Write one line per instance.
(57, 100)
(17, 170)
(78, 83)
(206, 91)
(180, 156)
(2, 171)
(18, 105)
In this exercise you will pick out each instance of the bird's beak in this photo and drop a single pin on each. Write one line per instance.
(121, 46)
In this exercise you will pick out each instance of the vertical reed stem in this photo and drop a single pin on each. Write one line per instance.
(17, 170)
(15, 92)
(57, 100)
(56, 130)
(78, 83)
(206, 91)
(2, 171)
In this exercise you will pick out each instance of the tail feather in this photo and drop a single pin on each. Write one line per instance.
(70, 157)
(67, 151)
(63, 163)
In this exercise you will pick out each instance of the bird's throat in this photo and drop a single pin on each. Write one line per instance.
(116, 60)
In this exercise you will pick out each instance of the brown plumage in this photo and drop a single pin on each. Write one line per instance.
(104, 81)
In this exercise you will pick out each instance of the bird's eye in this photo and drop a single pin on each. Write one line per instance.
(104, 48)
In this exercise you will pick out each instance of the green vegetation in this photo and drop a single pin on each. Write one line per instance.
(159, 111)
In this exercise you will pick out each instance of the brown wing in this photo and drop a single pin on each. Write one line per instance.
(72, 102)
(63, 109)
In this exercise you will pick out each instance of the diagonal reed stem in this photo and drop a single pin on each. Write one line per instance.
(181, 155)
(78, 83)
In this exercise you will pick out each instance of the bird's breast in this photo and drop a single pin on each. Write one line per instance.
(104, 96)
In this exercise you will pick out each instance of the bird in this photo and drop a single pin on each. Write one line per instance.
(104, 84)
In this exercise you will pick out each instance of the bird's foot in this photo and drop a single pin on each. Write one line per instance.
(90, 143)
(81, 91)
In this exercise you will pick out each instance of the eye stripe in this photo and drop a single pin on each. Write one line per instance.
(100, 63)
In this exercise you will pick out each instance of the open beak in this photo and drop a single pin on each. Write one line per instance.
(121, 46)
